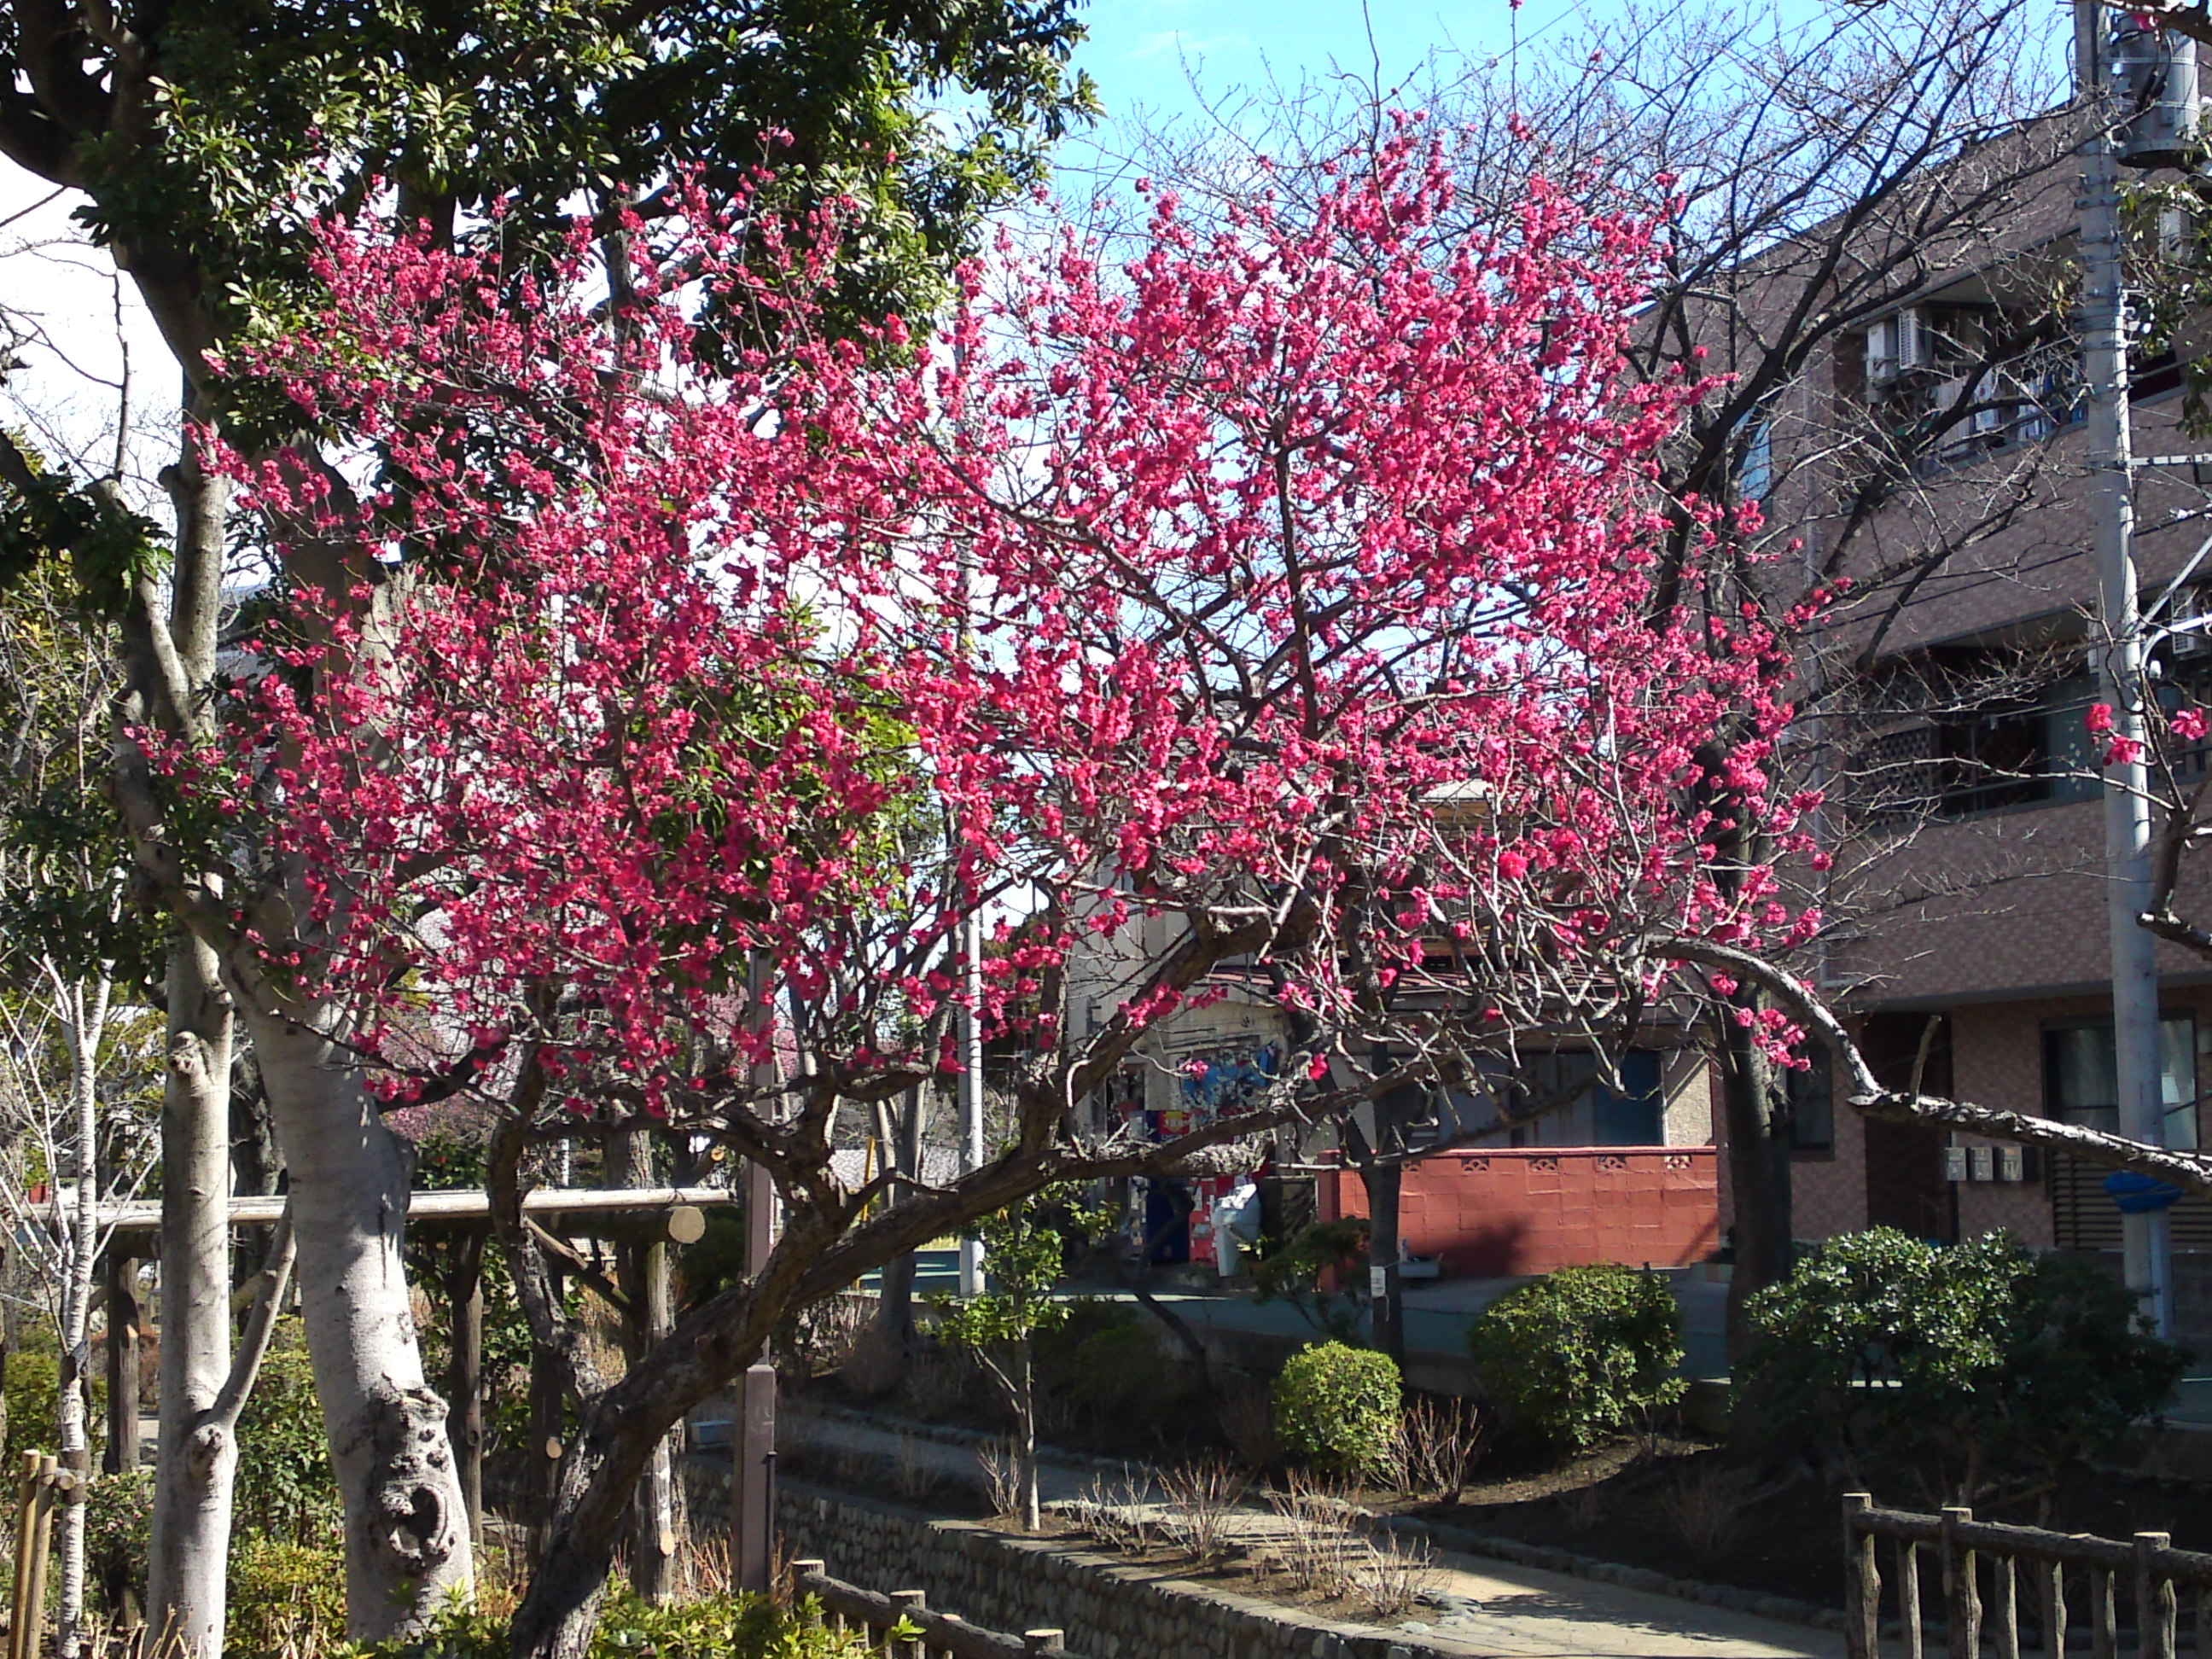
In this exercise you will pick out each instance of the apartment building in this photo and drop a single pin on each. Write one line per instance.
(1970, 936)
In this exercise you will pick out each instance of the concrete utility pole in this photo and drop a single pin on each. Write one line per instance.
(2119, 656)
(971, 1088)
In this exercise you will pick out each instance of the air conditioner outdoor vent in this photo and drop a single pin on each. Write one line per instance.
(1897, 344)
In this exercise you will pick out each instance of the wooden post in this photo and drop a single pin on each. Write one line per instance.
(464, 1417)
(2155, 1612)
(659, 1500)
(2004, 1623)
(20, 1619)
(122, 1452)
(1908, 1597)
(1861, 1582)
(2104, 1615)
(1042, 1641)
(908, 1601)
(1962, 1596)
(2054, 1610)
(42, 1543)
(547, 1423)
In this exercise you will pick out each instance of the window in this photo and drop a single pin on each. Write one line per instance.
(1810, 1095)
(2082, 1077)
(1597, 1115)
(1754, 456)
(1986, 756)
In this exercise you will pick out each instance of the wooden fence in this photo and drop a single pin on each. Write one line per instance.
(1989, 1576)
(940, 1635)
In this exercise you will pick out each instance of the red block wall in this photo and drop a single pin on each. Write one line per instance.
(1493, 1214)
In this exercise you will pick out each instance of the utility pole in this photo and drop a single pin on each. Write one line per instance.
(2119, 660)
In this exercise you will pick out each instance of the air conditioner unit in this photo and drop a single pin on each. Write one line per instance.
(1897, 344)
(2190, 644)
(2177, 235)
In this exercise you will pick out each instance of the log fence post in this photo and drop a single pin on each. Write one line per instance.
(1962, 1595)
(2156, 1611)
(1861, 1582)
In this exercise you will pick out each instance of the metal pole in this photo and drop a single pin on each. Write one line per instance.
(2119, 654)
(754, 1441)
(971, 1088)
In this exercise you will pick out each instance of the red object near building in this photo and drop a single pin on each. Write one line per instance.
(1496, 1213)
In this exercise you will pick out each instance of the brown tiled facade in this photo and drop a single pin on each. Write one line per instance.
(1987, 915)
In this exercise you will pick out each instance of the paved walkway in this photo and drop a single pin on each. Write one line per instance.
(1492, 1610)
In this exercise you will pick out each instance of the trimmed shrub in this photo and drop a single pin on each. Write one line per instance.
(1981, 1368)
(1336, 1408)
(1582, 1354)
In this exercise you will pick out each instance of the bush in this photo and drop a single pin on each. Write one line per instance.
(713, 1627)
(1336, 1408)
(1582, 1354)
(285, 1487)
(1121, 1368)
(285, 1599)
(117, 1523)
(1292, 1271)
(1058, 1352)
(1980, 1368)
(33, 1396)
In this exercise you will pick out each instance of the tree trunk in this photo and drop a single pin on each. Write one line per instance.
(657, 1529)
(406, 1523)
(591, 1499)
(122, 1454)
(120, 1585)
(1025, 1455)
(1759, 1186)
(464, 1423)
(196, 1459)
(894, 1324)
(1380, 1177)
(86, 1016)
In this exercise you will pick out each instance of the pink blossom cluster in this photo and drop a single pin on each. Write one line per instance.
(1292, 578)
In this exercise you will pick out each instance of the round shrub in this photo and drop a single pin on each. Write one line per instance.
(1978, 1370)
(1336, 1408)
(1581, 1354)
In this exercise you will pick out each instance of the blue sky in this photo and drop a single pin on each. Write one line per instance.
(1139, 50)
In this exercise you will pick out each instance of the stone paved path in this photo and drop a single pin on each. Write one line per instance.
(1493, 1610)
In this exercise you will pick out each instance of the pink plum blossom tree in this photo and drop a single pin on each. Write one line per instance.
(1279, 594)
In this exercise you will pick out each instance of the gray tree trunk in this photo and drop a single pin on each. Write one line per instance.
(85, 1015)
(197, 1457)
(406, 1523)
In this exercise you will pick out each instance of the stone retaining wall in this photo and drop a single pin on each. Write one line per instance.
(1109, 1608)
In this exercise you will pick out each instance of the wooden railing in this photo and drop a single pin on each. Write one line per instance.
(1986, 1571)
(937, 1635)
